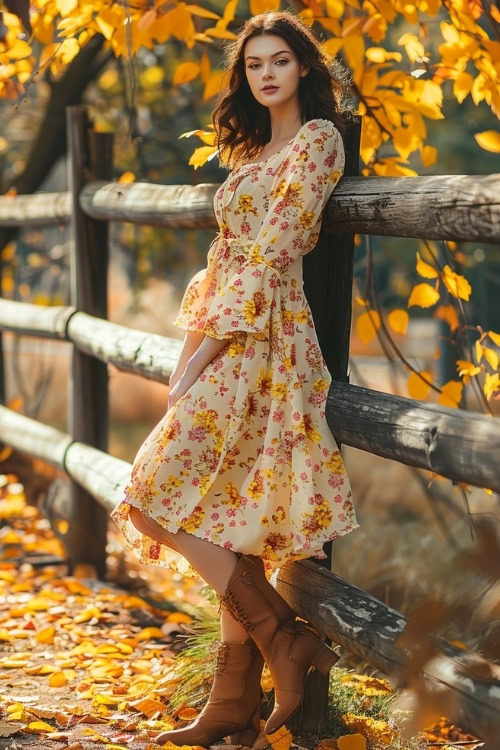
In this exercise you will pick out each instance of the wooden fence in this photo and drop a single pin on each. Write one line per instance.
(461, 445)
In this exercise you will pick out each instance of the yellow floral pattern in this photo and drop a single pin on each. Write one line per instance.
(245, 458)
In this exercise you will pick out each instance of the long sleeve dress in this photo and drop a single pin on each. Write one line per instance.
(245, 458)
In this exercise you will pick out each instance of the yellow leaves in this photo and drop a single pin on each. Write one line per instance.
(429, 155)
(466, 369)
(489, 354)
(148, 706)
(413, 46)
(146, 634)
(333, 45)
(65, 7)
(5, 635)
(260, 6)
(389, 166)
(371, 138)
(489, 140)
(491, 384)
(417, 387)
(405, 141)
(281, 739)
(335, 8)
(381, 55)
(365, 684)
(430, 98)
(447, 313)
(423, 295)
(220, 29)
(197, 10)
(88, 614)
(450, 33)
(495, 337)
(457, 285)
(107, 700)
(201, 155)
(375, 730)
(424, 269)
(17, 51)
(185, 72)
(367, 325)
(177, 22)
(179, 617)
(38, 727)
(107, 19)
(451, 394)
(352, 742)
(215, 83)
(398, 320)
(46, 635)
(57, 679)
(462, 86)
(126, 178)
(59, 54)
(354, 51)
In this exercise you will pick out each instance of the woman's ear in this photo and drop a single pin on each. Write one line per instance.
(304, 69)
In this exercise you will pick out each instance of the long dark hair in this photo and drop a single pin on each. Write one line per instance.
(243, 125)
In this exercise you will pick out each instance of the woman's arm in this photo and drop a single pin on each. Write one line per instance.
(202, 356)
(192, 341)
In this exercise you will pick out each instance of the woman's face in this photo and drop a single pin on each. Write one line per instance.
(269, 61)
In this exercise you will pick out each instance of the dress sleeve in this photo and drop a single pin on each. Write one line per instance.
(299, 191)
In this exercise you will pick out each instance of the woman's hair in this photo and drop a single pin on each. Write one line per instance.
(243, 125)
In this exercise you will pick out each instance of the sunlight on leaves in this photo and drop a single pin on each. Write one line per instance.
(418, 388)
(423, 295)
(367, 325)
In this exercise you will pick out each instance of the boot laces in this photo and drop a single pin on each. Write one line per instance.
(235, 609)
(221, 658)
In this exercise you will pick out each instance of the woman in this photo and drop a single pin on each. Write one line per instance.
(242, 474)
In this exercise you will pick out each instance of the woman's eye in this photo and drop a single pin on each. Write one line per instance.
(252, 66)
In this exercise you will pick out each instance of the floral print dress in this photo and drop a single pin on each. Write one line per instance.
(245, 458)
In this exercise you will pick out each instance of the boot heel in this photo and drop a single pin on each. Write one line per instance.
(245, 737)
(325, 659)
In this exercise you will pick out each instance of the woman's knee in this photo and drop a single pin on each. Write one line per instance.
(150, 527)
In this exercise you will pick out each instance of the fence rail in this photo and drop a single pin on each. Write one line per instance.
(445, 207)
(451, 442)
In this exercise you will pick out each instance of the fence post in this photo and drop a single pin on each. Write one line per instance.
(327, 276)
(90, 157)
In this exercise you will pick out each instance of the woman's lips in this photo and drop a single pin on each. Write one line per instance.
(270, 89)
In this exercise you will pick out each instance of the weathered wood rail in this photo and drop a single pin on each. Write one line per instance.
(458, 207)
(454, 443)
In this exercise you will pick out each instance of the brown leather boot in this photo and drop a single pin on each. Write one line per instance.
(233, 706)
(291, 648)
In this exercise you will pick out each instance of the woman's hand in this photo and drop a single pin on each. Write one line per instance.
(182, 385)
(204, 354)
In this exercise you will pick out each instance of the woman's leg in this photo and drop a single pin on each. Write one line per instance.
(233, 705)
(203, 557)
(215, 564)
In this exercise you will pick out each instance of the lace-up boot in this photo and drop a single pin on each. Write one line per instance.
(233, 706)
(291, 648)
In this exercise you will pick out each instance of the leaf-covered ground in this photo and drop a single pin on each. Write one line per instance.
(90, 664)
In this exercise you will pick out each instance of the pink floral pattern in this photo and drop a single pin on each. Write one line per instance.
(245, 459)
